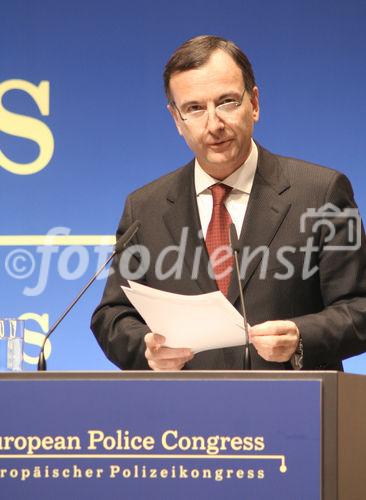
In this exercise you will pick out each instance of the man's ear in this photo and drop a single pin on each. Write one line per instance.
(254, 99)
(175, 116)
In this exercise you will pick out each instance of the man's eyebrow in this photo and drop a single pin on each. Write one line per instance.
(231, 93)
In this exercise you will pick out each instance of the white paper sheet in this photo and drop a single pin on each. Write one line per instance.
(198, 322)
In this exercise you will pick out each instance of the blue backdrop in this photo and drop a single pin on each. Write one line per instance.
(89, 75)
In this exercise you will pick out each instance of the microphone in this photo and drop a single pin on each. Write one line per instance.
(118, 248)
(234, 242)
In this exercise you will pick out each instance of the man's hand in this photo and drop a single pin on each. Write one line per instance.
(275, 340)
(164, 358)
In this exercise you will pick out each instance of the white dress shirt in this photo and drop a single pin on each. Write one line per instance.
(236, 203)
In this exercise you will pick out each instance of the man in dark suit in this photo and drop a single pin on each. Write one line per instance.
(303, 262)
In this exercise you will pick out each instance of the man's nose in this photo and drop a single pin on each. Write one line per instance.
(214, 122)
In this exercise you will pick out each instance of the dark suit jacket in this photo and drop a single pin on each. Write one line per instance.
(329, 306)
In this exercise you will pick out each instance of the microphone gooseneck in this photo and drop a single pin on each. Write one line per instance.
(121, 244)
(234, 242)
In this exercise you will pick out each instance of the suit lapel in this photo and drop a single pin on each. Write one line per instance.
(265, 214)
(183, 213)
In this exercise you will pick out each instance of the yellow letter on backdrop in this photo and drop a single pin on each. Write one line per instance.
(27, 127)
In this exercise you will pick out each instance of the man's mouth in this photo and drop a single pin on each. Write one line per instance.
(219, 144)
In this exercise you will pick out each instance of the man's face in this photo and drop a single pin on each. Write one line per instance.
(220, 144)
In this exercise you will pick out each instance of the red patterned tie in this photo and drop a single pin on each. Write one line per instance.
(218, 236)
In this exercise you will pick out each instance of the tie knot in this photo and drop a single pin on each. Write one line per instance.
(219, 193)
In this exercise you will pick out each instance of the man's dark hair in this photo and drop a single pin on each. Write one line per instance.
(197, 51)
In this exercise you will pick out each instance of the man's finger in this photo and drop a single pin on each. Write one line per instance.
(154, 340)
(273, 341)
(272, 328)
(168, 364)
(168, 353)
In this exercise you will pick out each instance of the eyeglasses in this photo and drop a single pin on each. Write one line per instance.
(198, 112)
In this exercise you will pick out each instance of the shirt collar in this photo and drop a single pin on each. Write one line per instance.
(240, 180)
